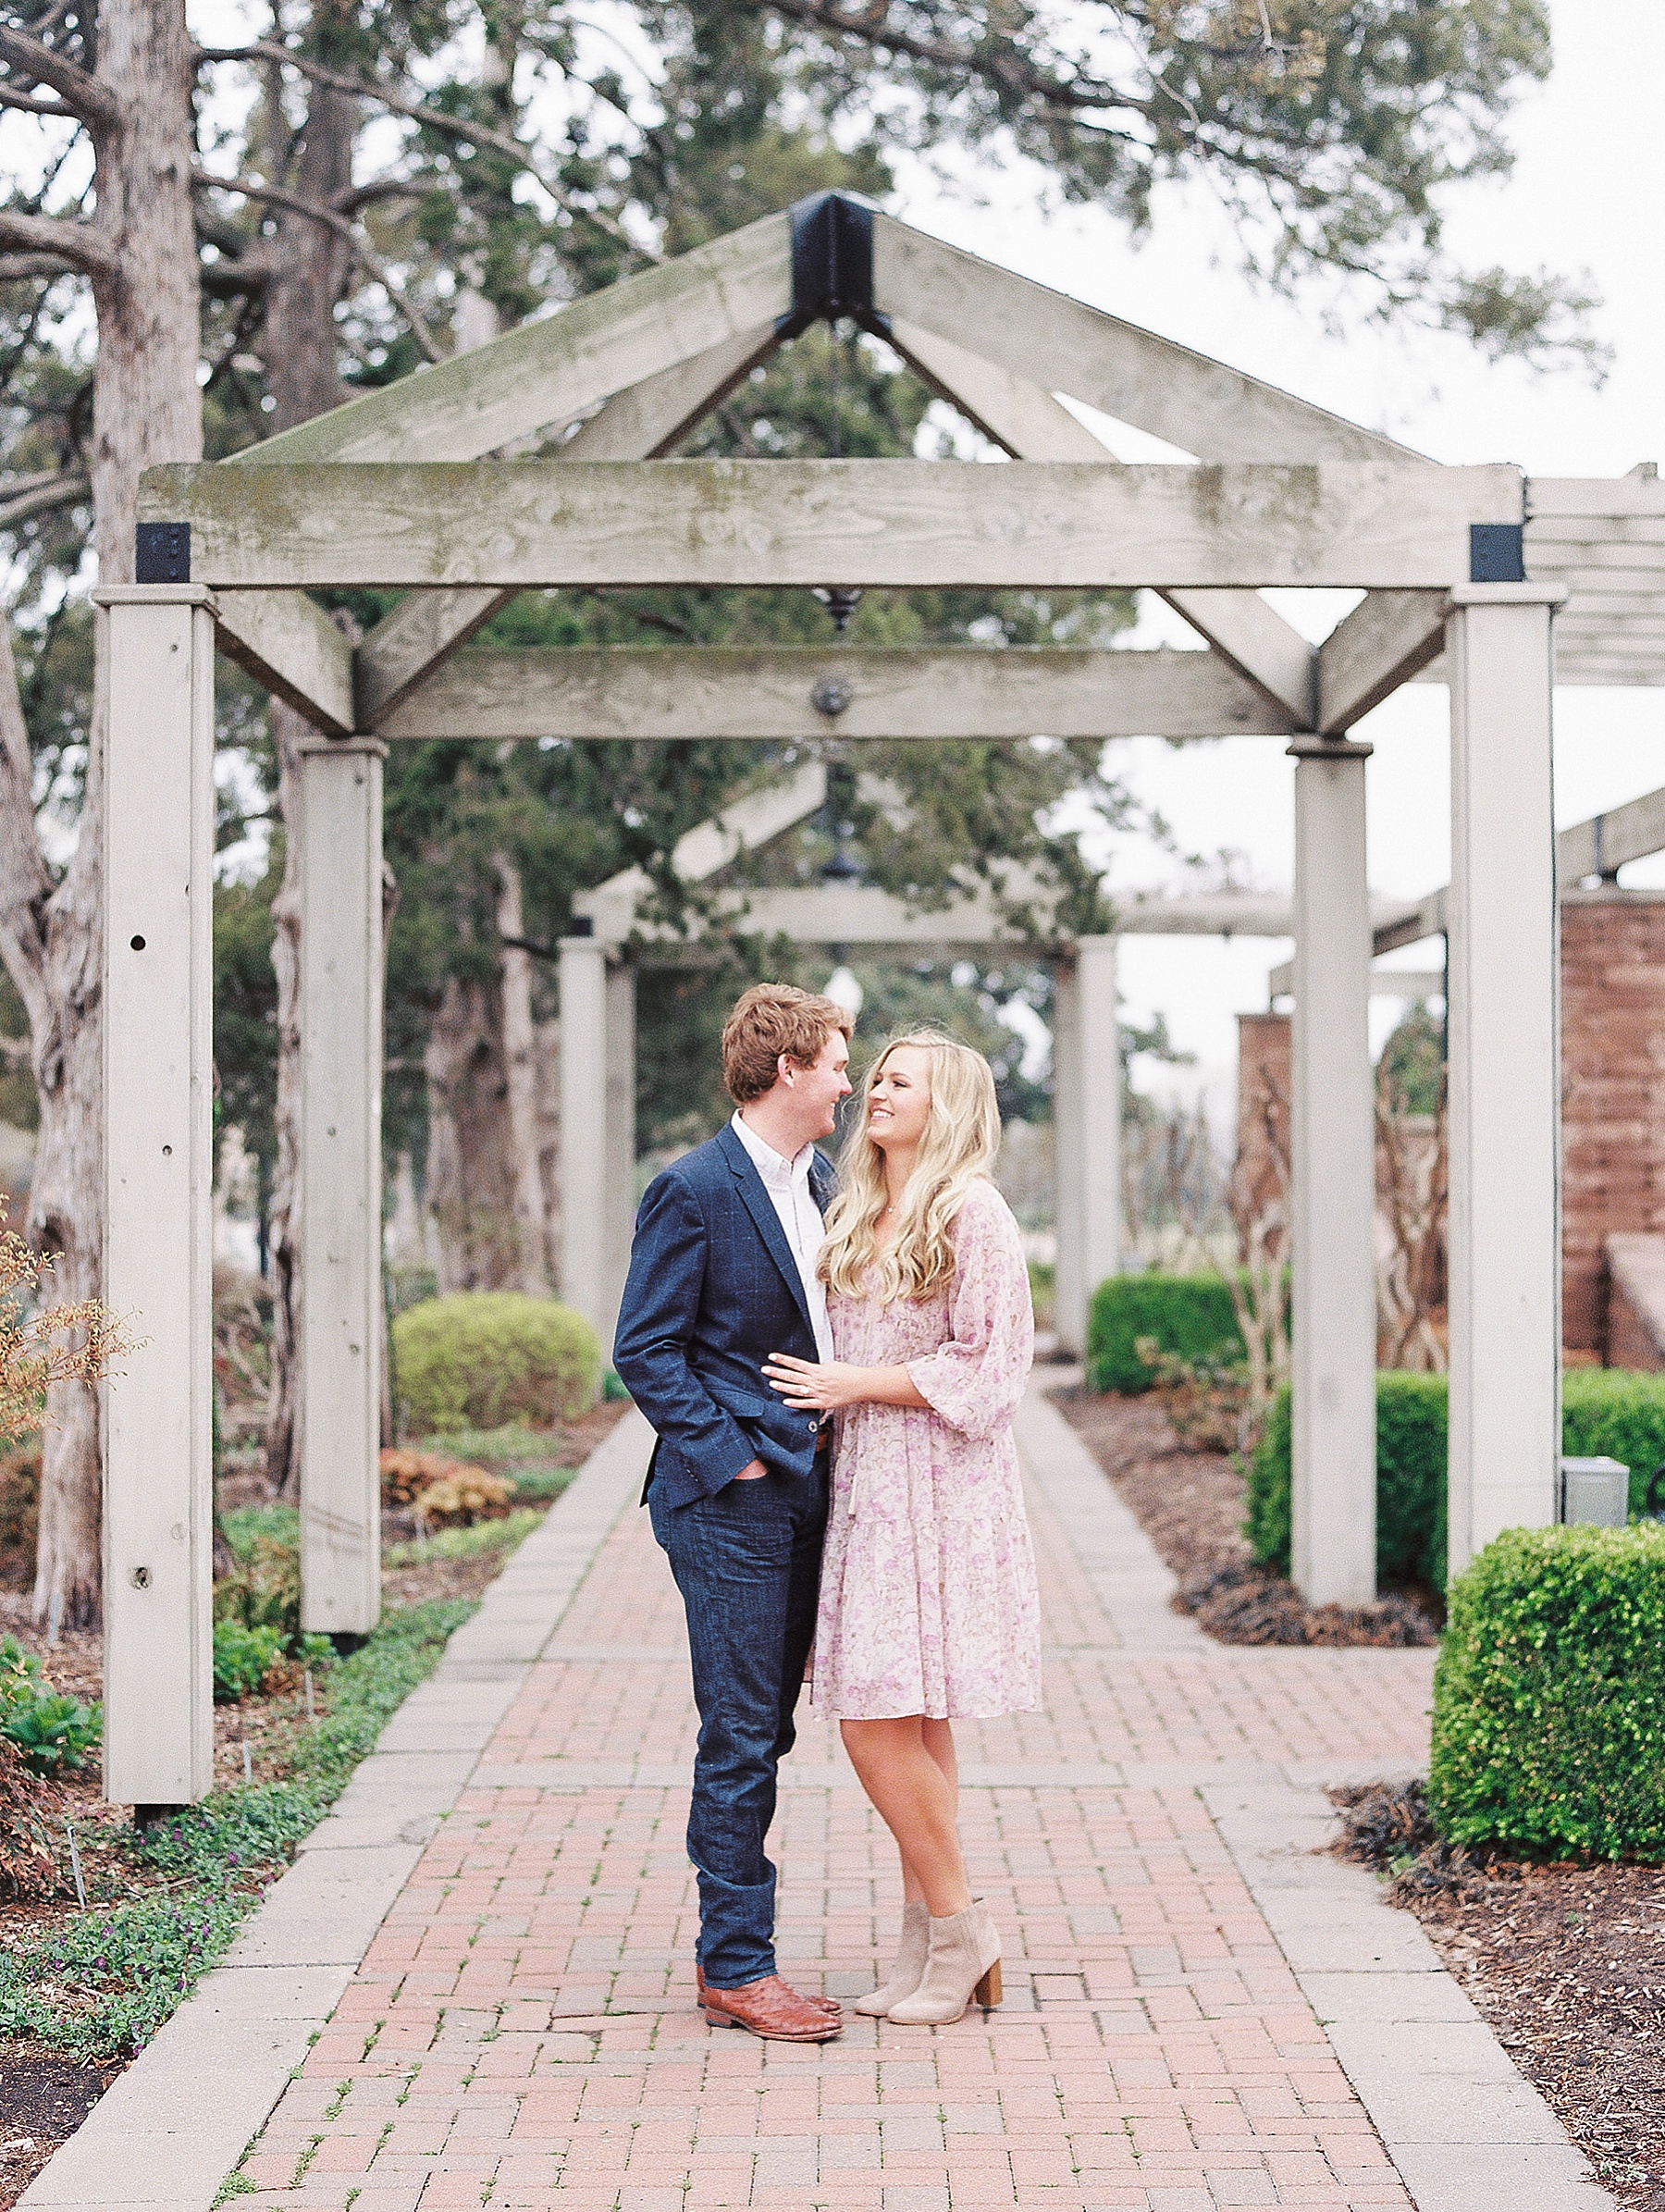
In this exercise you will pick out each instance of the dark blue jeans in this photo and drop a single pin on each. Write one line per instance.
(747, 1562)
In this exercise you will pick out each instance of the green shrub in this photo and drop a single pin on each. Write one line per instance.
(243, 1658)
(53, 1730)
(1410, 1481)
(1549, 1695)
(1609, 1411)
(262, 1591)
(1604, 1409)
(486, 1357)
(1190, 1316)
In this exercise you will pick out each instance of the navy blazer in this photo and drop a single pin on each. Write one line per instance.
(712, 1290)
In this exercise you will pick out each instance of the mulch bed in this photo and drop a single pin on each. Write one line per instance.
(43, 2096)
(1190, 1504)
(1566, 1963)
(43, 2101)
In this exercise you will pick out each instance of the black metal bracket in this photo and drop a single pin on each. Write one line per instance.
(833, 264)
(162, 553)
(1497, 553)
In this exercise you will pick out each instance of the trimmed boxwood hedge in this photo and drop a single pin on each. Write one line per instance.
(1411, 1476)
(1611, 1411)
(1604, 1409)
(483, 1358)
(1549, 1695)
(1190, 1316)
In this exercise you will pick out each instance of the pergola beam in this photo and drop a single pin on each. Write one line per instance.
(1601, 847)
(1193, 402)
(1388, 637)
(900, 693)
(288, 642)
(871, 523)
(557, 368)
(1031, 424)
(638, 424)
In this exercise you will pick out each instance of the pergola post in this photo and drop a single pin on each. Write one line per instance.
(1099, 1047)
(1504, 1242)
(1069, 1271)
(159, 1043)
(619, 1188)
(341, 1183)
(598, 1127)
(1333, 1200)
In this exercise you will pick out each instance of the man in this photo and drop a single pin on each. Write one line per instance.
(721, 1273)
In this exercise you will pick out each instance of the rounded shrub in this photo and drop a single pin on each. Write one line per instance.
(1189, 1316)
(1549, 1695)
(483, 1358)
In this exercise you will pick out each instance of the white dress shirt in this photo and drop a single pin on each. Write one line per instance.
(787, 1182)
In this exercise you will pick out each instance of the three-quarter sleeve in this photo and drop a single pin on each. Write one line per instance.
(976, 1380)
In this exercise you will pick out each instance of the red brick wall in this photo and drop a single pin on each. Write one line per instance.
(1264, 1067)
(1613, 1091)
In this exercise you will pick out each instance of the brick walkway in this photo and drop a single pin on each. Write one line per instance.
(521, 2033)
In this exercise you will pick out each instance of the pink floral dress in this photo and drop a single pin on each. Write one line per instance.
(928, 1597)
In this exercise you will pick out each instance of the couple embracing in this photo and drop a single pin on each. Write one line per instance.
(832, 1368)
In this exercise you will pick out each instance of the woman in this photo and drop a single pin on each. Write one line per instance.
(929, 1609)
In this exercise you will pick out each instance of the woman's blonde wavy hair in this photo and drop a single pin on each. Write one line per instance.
(962, 1136)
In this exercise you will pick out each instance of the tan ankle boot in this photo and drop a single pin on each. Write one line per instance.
(964, 1962)
(904, 1976)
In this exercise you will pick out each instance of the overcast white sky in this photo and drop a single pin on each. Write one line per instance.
(1585, 196)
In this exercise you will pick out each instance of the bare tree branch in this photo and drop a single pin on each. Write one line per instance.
(62, 490)
(32, 107)
(78, 244)
(15, 267)
(251, 188)
(81, 93)
(417, 111)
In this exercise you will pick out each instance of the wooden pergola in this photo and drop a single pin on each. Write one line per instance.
(397, 490)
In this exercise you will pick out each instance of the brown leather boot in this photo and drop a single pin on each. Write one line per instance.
(830, 2006)
(768, 2007)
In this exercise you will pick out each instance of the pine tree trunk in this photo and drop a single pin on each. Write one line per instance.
(145, 409)
(470, 1186)
(521, 1066)
(310, 269)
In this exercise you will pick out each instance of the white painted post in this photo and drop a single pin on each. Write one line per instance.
(1100, 1052)
(158, 1042)
(584, 1148)
(618, 1194)
(1333, 1202)
(341, 1183)
(1504, 1239)
(1069, 1277)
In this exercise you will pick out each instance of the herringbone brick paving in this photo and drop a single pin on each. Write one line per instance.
(523, 2035)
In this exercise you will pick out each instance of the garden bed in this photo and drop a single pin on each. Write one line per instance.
(80, 1992)
(1192, 1506)
(1566, 1963)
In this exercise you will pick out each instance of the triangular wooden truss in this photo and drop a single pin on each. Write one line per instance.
(629, 371)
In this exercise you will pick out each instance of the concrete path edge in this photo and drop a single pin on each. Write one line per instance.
(171, 2128)
(1464, 2128)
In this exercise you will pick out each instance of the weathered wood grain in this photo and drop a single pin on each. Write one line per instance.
(1382, 644)
(1199, 405)
(878, 523)
(553, 370)
(287, 642)
(727, 692)
(1031, 424)
(637, 424)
